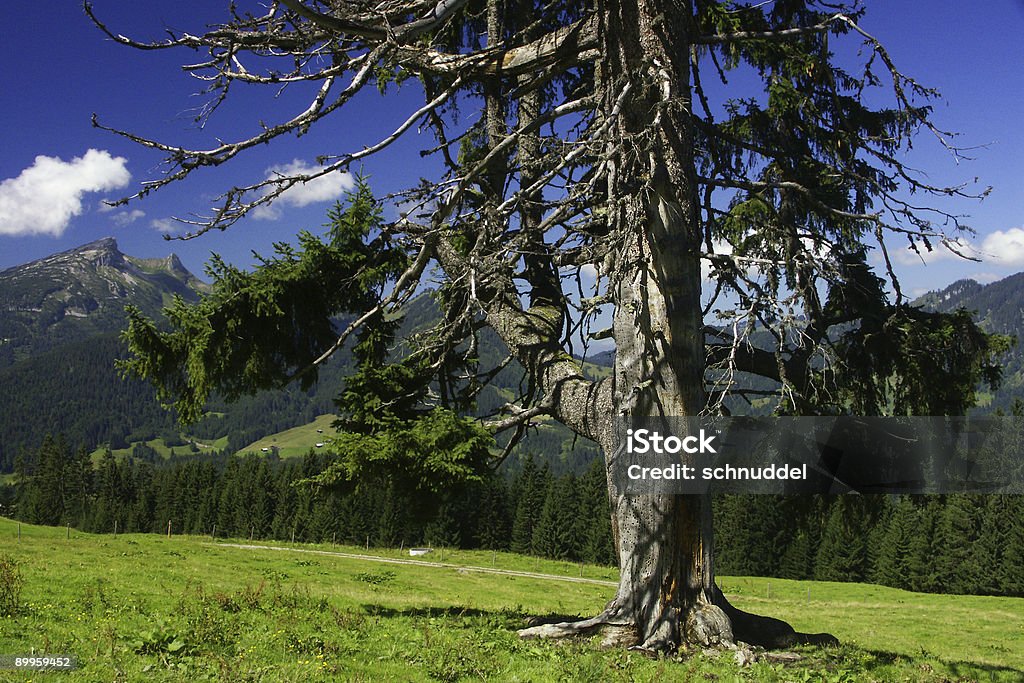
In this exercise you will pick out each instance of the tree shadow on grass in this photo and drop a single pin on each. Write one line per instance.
(871, 663)
(876, 661)
(516, 616)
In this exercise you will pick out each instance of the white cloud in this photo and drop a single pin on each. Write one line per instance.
(1004, 247)
(166, 225)
(721, 248)
(323, 189)
(124, 218)
(48, 194)
(955, 250)
(1000, 248)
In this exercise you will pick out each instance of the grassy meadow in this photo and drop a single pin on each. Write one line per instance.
(162, 449)
(296, 441)
(145, 607)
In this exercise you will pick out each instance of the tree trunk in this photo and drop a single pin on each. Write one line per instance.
(667, 597)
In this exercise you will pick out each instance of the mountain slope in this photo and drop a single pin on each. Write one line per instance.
(998, 307)
(60, 319)
(82, 292)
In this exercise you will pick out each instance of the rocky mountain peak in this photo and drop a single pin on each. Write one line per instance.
(102, 252)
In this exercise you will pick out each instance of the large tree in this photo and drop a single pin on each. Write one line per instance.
(610, 154)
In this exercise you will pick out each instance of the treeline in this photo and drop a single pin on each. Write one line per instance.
(959, 543)
(263, 497)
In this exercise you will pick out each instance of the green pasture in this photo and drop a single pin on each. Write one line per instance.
(145, 607)
(296, 441)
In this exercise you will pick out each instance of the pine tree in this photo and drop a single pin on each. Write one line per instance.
(842, 554)
(798, 559)
(988, 551)
(892, 563)
(556, 534)
(391, 521)
(956, 533)
(598, 543)
(492, 518)
(77, 484)
(1012, 569)
(531, 487)
(593, 143)
(924, 574)
(443, 530)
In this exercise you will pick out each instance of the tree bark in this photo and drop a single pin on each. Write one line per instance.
(667, 597)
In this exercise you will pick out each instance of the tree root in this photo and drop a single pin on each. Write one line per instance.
(615, 632)
(712, 624)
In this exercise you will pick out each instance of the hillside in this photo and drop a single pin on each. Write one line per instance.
(73, 295)
(999, 308)
(60, 319)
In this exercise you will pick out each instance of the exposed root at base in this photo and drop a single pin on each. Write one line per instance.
(712, 624)
(615, 632)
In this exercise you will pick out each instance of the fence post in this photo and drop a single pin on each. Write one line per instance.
(69, 531)
(168, 528)
(115, 528)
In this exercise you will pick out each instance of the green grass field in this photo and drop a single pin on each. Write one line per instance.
(144, 607)
(162, 448)
(296, 441)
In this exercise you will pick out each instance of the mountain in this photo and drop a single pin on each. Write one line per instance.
(998, 307)
(60, 320)
(82, 292)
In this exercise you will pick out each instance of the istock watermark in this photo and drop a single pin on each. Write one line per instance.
(814, 455)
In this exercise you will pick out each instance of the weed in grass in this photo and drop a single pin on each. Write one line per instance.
(226, 603)
(204, 619)
(160, 640)
(251, 597)
(349, 620)
(11, 583)
(376, 579)
(94, 596)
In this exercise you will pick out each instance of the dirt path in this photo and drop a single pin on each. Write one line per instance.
(420, 563)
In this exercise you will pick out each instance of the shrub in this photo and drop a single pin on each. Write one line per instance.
(11, 582)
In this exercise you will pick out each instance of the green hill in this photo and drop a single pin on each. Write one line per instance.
(148, 607)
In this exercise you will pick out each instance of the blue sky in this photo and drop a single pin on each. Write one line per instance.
(59, 70)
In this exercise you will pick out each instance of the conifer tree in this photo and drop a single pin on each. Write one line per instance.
(892, 562)
(957, 532)
(598, 145)
(924, 574)
(842, 553)
(532, 485)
